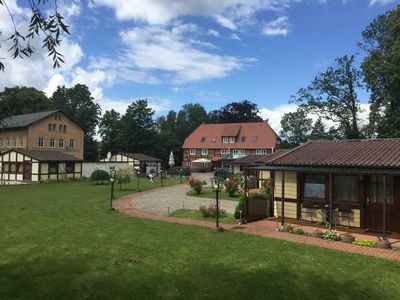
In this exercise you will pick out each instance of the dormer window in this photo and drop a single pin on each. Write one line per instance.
(231, 140)
(225, 140)
(203, 139)
(213, 139)
(243, 139)
(254, 139)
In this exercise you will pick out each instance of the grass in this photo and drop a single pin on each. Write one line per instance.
(61, 241)
(209, 193)
(196, 215)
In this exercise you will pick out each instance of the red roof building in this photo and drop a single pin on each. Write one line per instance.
(211, 143)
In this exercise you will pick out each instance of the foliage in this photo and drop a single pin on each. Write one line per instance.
(332, 96)
(299, 231)
(208, 193)
(331, 234)
(211, 211)
(382, 73)
(44, 22)
(123, 176)
(366, 243)
(286, 228)
(196, 184)
(197, 215)
(110, 132)
(231, 186)
(240, 208)
(176, 171)
(296, 127)
(99, 175)
(236, 112)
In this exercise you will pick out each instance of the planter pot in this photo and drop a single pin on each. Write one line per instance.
(316, 234)
(347, 238)
(384, 245)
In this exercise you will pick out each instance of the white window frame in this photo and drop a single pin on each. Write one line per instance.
(204, 152)
(261, 151)
(40, 142)
(52, 143)
(72, 144)
(232, 140)
(61, 143)
(225, 139)
(238, 152)
(225, 151)
(192, 152)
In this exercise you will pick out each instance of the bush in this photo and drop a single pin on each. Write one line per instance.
(196, 184)
(366, 243)
(211, 211)
(176, 171)
(286, 228)
(231, 186)
(331, 235)
(99, 175)
(123, 176)
(298, 231)
(240, 207)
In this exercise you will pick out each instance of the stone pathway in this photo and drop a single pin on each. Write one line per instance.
(175, 198)
(266, 228)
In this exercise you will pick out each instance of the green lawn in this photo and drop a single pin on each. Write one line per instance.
(196, 215)
(61, 241)
(208, 193)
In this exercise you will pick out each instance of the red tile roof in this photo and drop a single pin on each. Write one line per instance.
(210, 136)
(379, 153)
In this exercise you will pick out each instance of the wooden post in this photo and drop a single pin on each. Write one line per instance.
(283, 200)
(330, 200)
(245, 195)
(384, 207)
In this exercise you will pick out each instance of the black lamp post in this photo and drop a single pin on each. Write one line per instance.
(112, 180)
(216, 186)
(137, 177)
(161, 172)
(180, 173)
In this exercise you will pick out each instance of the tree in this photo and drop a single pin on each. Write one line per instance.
(138, 132)
(237, 112)
(381, 68)
(78, 103)
(23, 100)
(168, 137)
(189, 118)
(110, 132)
(44, 21)
(318, 131)
(296, 128)
(332, 96)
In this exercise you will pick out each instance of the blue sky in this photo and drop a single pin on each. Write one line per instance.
(207, 51)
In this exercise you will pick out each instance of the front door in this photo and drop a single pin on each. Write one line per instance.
(27, 170)
(374, 203)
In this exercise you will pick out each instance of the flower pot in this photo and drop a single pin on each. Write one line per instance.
(385, 244)
(347, 238)
(317, 234)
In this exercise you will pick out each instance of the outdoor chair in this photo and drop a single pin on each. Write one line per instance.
(323, 212)
(346, 213)
(309, 209)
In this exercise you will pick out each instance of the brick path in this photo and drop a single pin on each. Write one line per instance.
(265, 228)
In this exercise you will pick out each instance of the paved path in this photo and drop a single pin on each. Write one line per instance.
(266, 228)
(175, 197)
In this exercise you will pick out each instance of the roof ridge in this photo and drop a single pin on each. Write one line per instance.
(291, 150)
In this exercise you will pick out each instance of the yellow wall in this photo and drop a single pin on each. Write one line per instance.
(290, 185)
(316, 215)
(290, 209)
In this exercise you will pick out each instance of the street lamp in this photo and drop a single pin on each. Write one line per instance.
(137, 169)
(161, 171)
(180, 173)
(112, 180)
(216, 186)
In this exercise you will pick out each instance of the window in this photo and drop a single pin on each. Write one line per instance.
(203, 139)
(70, 167)
(243, 139)
(225, 140)
(8, 142)
(55, 117)
(314, 186)
(345, 188)
(225, 151)
(239, 152)
(65, 128)
(213, 139)
(204, 151)
(231, 140)
(20, 168)
(261, 151)
(53, 168)
(192, 151)
(40, 142)
(6, 167)
(61, 143)
(1, 142)
(52, 143)
(60, 128)
(21, 141)
(54, 127)
(376, 189)
(14, 142)
(254, 139)
(72, 144)
(50, 127)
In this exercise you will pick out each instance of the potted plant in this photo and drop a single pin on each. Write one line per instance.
(317, 233)
(383, 243)
(347, 238)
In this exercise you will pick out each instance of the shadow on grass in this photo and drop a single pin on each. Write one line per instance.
(132, 278)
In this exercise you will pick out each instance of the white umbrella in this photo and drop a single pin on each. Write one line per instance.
(171, 161)
(201, 160)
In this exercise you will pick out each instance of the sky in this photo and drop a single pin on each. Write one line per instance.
(184, 51)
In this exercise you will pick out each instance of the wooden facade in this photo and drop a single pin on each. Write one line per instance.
(145, 164)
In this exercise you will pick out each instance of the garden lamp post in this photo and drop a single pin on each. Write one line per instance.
(112, 180)
(161, 174)
(216, 186)
(180, 174)
(137, 169)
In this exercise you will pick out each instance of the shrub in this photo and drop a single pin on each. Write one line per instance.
(240, 208)
(123, 176)
(286, 228)
(99, 175)
(176, 171)
(231, 186)
(366, 243)
(298, 231)
(211, 211)
(331, 234)
(196, 184)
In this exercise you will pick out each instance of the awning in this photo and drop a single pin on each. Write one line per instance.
(201, 160)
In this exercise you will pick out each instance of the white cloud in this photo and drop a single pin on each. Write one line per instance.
(213, 32)
(380, 2)
(235, 36)
(276, 27)
(225, 22)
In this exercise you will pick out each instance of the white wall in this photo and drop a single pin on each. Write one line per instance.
(89, 167)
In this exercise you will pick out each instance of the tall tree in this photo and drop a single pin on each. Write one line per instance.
(168, 138)
(295, 128)
(110, 132)
(138, 128)
(23, 100)
(332, 96)
(79, 104)
(318, 131)
(189, 117)
(237, 112)
(381, 67)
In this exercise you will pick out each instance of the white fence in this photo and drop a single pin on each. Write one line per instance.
(89, 167)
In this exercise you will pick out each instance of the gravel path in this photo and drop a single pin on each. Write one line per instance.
(175, 197)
